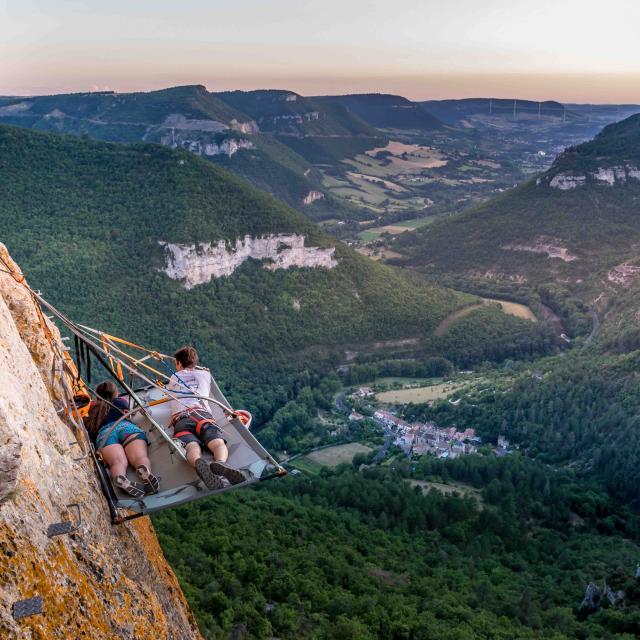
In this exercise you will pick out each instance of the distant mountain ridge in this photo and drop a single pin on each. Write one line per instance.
(386, 111)
(289, 113)
(453, 111)
(136, 114)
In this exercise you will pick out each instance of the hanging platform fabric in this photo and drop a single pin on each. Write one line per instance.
(179, 482)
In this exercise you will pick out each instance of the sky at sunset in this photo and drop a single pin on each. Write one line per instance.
(569, 50)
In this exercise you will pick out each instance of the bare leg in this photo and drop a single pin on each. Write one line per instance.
(136, 453)
(194, 453)
(219, 450)
(115, 458)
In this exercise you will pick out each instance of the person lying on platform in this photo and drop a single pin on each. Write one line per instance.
(122, 444)
(193, 423)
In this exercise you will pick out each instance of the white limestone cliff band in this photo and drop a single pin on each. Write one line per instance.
(197, 263)
(609, 176)
(564, 181)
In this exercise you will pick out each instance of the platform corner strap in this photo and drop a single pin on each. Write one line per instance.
(66, 526)
(25, 608)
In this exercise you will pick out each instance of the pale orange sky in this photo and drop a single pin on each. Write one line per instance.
(568, 50)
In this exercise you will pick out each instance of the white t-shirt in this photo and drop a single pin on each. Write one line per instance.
(187, 383)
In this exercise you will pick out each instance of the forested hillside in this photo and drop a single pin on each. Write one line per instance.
(386, 111)
(569, 235)
(85, 220)
(188, 117)
(321, 131)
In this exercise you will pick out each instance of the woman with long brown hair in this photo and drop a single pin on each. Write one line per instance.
(122, 444)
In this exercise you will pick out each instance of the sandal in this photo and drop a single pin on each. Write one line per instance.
(234, 476)
(211, 480)
(150, 482)
(132, 488)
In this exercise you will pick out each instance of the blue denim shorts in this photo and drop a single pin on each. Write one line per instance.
(122, 434)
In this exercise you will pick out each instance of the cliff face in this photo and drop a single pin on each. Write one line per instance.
(102, 581)
(195, 264)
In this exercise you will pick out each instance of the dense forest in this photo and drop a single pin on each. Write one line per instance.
(363, 554)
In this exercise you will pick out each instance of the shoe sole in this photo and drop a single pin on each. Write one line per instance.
(234, 476)
(211, 480)
(131, 489)
(151, 482)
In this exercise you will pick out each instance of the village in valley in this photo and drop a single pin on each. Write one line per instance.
(377, 422)
(421, 438)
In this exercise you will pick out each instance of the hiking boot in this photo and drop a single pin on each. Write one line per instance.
(150, 482)
(234, 476)
(210, 479)
(132, 488)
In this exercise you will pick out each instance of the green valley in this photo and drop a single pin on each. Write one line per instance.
(118, 236)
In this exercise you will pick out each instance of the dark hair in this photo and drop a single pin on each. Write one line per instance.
(98, 410)
(187, 357)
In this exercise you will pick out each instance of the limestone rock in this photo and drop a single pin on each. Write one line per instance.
(312, 196)
(592, 599)
(564, 182)
(195, 264)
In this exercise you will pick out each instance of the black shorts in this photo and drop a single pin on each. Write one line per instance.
(185, 429)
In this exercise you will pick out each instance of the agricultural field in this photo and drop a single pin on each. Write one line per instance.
(372, 234)
(304, 464)
(514, 309)
(412, 176)
(447, 489)
(510, 308)
(409, 157)
(333, 456)
(419, 394)
(381, 180)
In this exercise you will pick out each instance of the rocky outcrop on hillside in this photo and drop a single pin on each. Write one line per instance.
(623, 274)
(245, 127)
(596, 598)
(312, 196)
(227, 147)
(195, 264)
(551, 247)
(608, 176)
(101, 581)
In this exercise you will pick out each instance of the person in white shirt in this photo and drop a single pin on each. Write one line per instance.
(193, 423)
